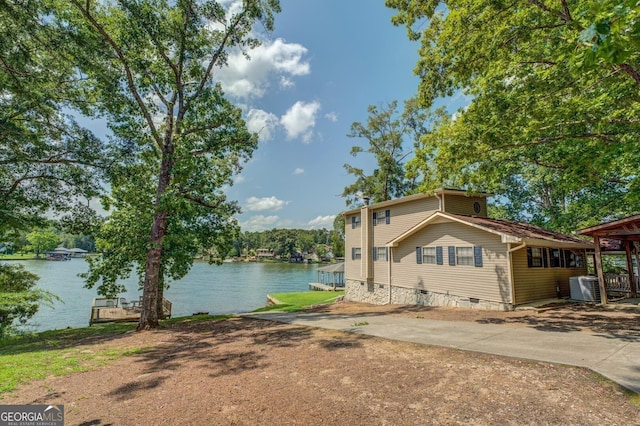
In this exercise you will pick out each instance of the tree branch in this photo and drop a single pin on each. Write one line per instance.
(130, 82)
(201, 202)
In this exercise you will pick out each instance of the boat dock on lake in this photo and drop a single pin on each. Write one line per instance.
(330, 278)
(106, 309)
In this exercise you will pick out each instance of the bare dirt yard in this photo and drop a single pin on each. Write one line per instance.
(244, 371)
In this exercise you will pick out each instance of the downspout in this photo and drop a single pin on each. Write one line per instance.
(512, 285)
(389, 273)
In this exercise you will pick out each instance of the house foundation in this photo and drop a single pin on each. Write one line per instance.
(378, 294)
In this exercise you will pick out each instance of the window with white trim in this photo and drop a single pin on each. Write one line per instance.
(429, 255)
(381, 217)
(380, 253)
(464, 256)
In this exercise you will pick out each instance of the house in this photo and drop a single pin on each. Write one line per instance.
(441, 249)
(265, 254)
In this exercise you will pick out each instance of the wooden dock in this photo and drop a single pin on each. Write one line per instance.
(119, 310)
(325, 287)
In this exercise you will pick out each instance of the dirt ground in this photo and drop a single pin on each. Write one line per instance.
(247, 372)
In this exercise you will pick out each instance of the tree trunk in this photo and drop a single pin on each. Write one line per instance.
(149, 314)
(160, 295)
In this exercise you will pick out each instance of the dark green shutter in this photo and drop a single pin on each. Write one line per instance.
(439, 256)
(452, 256)
(387, 216)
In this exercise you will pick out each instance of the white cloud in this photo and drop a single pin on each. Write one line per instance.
(331, 116)
(322, 222)
(300, 119)
(259, 223)
(266, 203)
(262, 122)
(285, 82)
(298, 171)
(250, 78)
(239, 179)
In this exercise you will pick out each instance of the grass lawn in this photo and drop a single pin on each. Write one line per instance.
(34, 356)
(18, 256)
(291, 302)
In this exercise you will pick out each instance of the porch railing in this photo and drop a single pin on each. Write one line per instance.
(619, 282)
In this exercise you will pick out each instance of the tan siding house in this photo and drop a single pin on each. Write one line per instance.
(441, 249)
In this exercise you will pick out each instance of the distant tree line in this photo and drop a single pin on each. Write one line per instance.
(289, 242)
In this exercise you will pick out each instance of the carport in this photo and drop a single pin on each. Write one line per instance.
(627, 231)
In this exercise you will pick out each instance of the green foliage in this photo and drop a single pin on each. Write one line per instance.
(337, 237)
(149, 69)
(284, 242)
(552, 127)
(42, 240)
(19, 297)
(47, 161)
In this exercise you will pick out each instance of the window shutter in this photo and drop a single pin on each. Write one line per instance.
(439, 256)
(529, 257)
(375, 218)
(387, 215)
(353, 253)
(477, 256)
(561, 254)
(353, 222)
(386, 253)
(375, 253)
(545, 258)
(418, 255)
(452, 256)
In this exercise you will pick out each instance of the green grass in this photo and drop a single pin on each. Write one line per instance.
(35, 356)
(291, 302)
(18, 256)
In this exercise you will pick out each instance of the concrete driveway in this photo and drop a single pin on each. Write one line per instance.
(615, 357)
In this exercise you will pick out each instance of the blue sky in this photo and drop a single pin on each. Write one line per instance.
(317, 73)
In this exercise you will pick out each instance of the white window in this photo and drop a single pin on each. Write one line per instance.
(429, 255)
(464, 256)
(380, 253)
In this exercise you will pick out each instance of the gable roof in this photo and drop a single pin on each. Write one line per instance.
(509, 231)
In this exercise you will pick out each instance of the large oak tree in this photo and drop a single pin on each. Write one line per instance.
(552, 126)
(149, 69)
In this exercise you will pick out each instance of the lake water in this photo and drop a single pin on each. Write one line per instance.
(217, 289)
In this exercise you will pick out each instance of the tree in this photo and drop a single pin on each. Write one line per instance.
(386, 134)
(337, 237)
(19, 298)
(42, 240)
(47, 161)
(552, 127)
(148, 68)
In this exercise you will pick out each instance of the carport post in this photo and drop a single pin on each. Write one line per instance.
(600, 272)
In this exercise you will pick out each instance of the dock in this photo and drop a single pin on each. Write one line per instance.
(330, 278)
(325, 287)
(105, 310)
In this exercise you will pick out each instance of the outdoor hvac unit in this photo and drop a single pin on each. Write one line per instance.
(584, 288)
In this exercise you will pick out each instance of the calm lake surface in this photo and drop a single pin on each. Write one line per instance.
(217, 289)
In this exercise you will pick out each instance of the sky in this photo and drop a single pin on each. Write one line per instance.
(314, 75)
